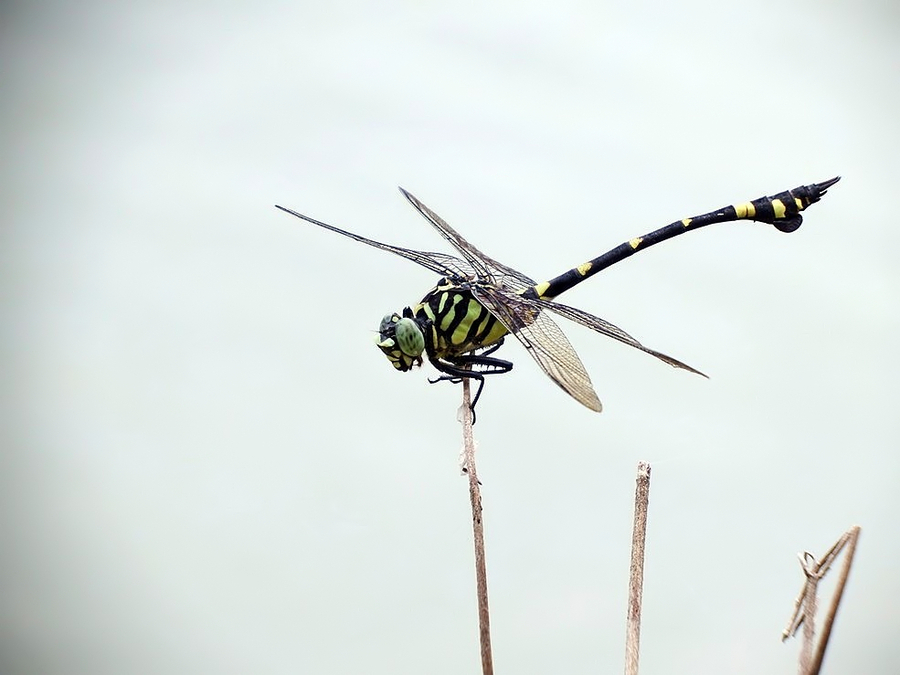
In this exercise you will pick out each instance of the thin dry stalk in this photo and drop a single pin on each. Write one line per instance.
(805, 606)
(636, 583)
(811, 588)
(484, 620)
(851, 537)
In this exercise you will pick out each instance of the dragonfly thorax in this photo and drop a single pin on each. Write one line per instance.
(402, 339)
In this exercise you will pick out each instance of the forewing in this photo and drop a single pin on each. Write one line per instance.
(487, 269)
(437, 262)
(544, 341)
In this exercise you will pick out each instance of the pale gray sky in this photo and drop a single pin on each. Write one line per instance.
(207, 466)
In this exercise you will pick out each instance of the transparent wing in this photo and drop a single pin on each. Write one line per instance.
(528, 320)
(604, 327)
(441, 263)
(488, 270)
(544, 341)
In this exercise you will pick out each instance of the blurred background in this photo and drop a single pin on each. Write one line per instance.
(208, 467)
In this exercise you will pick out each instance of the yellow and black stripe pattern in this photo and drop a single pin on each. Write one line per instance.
(458, 324)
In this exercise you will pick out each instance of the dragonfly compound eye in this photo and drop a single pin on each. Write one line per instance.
(402, 341)
(410, 338)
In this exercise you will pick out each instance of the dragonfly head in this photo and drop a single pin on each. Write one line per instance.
(402, 339)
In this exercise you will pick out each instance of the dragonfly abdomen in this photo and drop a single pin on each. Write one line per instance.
(781, 210)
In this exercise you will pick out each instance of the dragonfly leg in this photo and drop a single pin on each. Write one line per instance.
(473, 367)
(494, 347)
(479, 377)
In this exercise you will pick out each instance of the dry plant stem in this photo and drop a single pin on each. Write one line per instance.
(852, 536)
(805, 606)
(484, 620)
(636, 583)
(810, 567)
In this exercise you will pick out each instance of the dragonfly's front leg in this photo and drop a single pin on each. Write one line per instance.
(473, 367)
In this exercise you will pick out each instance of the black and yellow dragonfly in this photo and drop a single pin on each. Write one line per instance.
(464, 319)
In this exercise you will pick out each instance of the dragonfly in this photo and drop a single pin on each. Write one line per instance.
(461, 322)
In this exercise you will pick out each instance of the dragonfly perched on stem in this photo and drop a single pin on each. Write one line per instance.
(463, 320)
